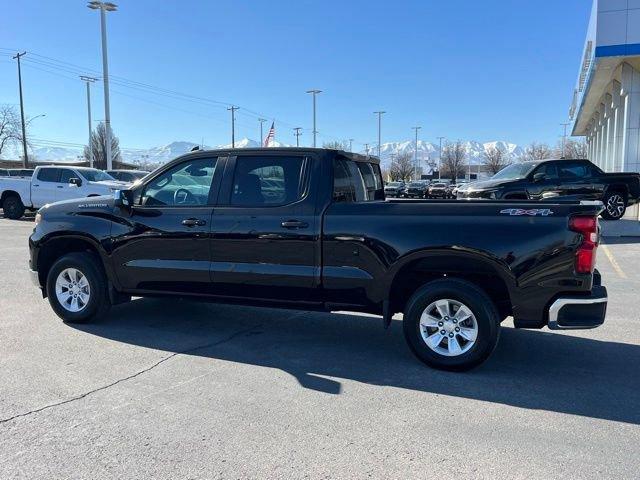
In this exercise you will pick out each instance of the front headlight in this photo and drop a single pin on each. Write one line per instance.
(38, 218)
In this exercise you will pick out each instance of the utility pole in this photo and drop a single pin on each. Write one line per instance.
(261, 120)
(233, 109)
(351, 144)
(379, 113)
(89, 81)
(366, 148)
(297, 134)
(105, 7)
(440, 157)
(25, 158)
(415, 159)
(564, 138)
(315, 131)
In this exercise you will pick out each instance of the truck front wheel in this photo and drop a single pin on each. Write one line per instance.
(13, 207)
(451, 324)
(77, 288)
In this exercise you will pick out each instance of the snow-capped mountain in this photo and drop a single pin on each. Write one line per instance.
(427, 151)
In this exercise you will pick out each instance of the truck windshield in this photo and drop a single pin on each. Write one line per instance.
(515, 171)
(94, 175)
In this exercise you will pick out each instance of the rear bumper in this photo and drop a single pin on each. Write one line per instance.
(573, 312)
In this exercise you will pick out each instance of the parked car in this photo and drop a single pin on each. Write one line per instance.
(326, 241)
(394, 189)
(52, 184)
(438, 189)
(416, 189)
(570, 179)
(129, 176)
(452, 191)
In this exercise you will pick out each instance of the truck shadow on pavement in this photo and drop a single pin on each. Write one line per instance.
(557, 372)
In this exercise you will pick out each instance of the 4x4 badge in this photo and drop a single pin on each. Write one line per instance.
(531, 212)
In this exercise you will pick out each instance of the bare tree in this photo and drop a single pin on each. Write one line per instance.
(10, 127)
(537, 151)
(495, 160)
(453, 160)
(337, 145)
(401, 167)
(573, 149)
(99, 145)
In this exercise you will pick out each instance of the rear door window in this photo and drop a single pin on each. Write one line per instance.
(356, 181)
(49, 175)
(573, 170)
(267, 180)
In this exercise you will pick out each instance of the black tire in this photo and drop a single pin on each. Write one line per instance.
(476, 300)
(615, 205)
(13, 207)
(89, 265)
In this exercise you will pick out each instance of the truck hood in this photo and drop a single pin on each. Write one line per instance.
(486, 185)
(88, 204)
(112, 184)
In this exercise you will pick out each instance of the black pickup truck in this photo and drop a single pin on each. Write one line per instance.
(570, 179)
(310, 229)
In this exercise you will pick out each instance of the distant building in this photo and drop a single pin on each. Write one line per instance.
(606, 100)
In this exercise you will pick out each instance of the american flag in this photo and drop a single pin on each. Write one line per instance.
(270, 135)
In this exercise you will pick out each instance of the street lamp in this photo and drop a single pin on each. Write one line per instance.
(315, 131)
(33, 118)
(105, 7)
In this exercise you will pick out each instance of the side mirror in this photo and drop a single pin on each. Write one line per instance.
(75, 182)
(540, 176)
(122, 198)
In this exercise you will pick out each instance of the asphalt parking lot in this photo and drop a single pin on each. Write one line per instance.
(182, 390)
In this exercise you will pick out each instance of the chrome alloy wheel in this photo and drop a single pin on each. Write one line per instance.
(615, 205)
(72, 290)
(448, 327)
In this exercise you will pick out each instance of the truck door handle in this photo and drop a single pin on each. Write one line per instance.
(60, 186)
(294, 224)
(193, 222)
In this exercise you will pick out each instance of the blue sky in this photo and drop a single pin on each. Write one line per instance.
(481, 70)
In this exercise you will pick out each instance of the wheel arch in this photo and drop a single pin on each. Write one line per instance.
(55, 247)
(480, 268)
(9, 193)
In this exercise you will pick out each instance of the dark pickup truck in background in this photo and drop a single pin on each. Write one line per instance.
(550, 179)
(310, 229)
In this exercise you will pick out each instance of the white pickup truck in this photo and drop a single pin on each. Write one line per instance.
(53, 184)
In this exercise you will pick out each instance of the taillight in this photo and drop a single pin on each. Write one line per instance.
(586, 253)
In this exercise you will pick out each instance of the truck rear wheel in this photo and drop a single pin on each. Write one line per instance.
(615, 204)
(77, 288)
(451, 324)
(13, 207)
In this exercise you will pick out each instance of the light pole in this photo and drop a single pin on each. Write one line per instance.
(564, 137)
(440, 157)
(233, 109)
(379, 113)
(351, 144)
(105, 7)
(261, 120)
(89, 81)
(297, 134)
(415, 159)
(315, 131)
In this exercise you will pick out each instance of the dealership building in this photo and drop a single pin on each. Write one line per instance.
(606, 99)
